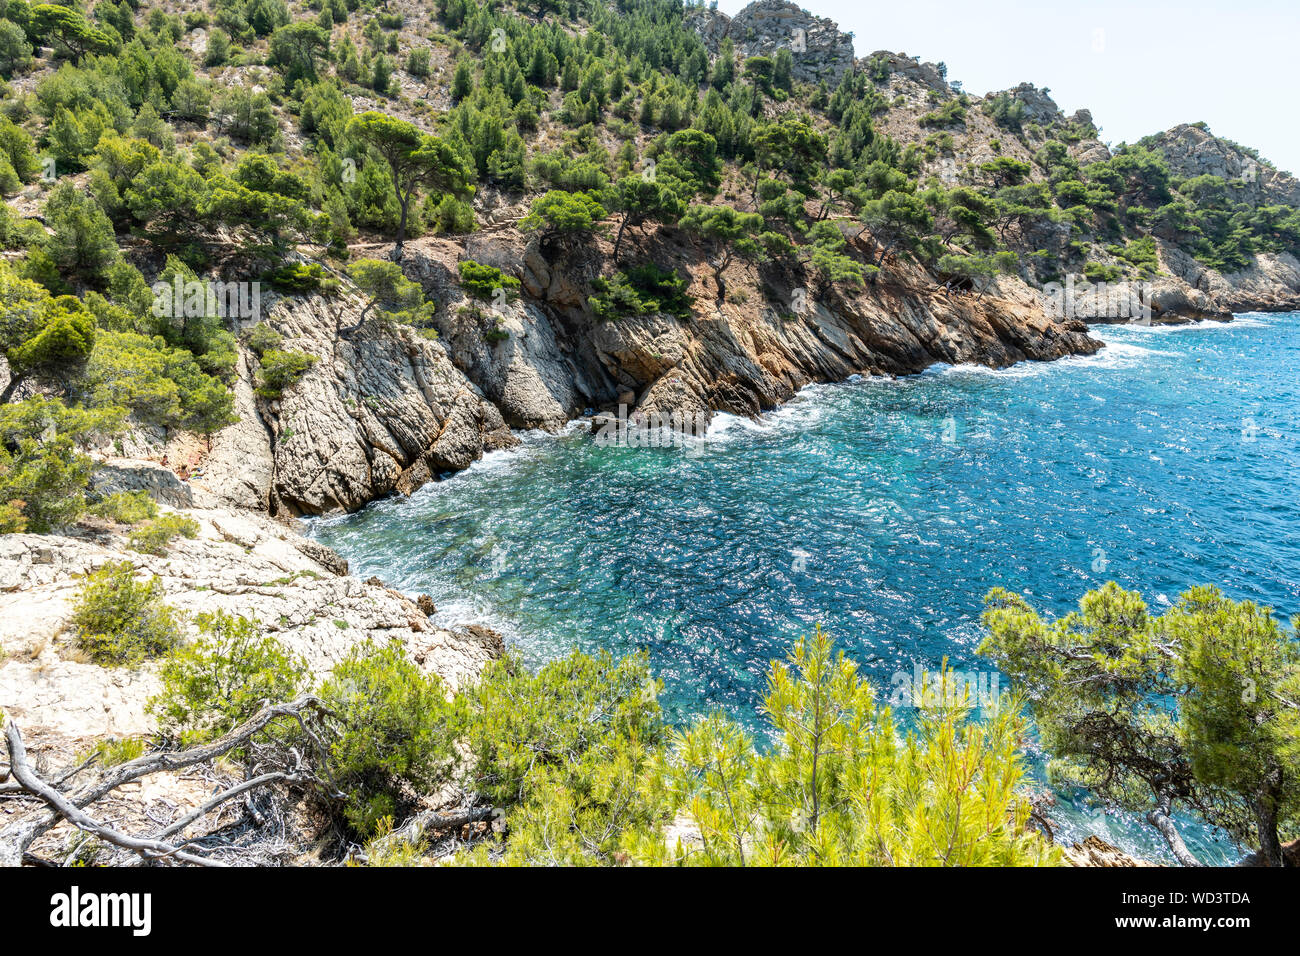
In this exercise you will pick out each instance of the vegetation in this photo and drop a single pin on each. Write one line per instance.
(119, 620)
(215, 683)
(396, 733)
(43, 471)
(280, 368)
(602, 122)
(640, 290)
(156, 536)
(1192, 710)
(486, 282)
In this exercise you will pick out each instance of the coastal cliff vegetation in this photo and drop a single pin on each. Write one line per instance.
(225, 230)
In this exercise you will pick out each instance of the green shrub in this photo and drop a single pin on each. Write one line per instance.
(119, 620)
(262, 338)
(214, 684)
(156, 536)
(280, 368)
(43, 470)
(641, 290)
(1100, 272)
(161, 384)
(302, 277)
(113, 751)
(126, 507)
(417, 63)
(482, 281)
(951, 113)
(841, 785)
(569, 752)
(396, 729)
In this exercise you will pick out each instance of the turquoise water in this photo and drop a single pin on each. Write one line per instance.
(883, 509)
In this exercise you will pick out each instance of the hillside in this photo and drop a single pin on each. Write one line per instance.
(268, 259)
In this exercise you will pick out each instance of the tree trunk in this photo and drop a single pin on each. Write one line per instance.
(1270, 847)
(1158, 817)
(618, 239)
(401, 225)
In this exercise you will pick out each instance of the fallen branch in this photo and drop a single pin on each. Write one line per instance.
(18, 837)
(24, 774)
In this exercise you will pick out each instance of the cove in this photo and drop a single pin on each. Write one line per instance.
(883, 509)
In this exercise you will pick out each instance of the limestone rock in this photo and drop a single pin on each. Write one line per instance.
(240, 563)
(820, 51)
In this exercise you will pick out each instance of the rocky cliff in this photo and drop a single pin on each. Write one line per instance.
(387, 409)
(820, 51)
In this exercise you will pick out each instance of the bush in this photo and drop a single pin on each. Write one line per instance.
(114, 751)
(482, 281)
(842, 785)
(396, 730)
(156, 536)
(119, 620)
(43, 470)
(570, 751)
(280, 368)
(1100, 272)
(1189, 711)
(302, 277)
(952, 113)
(641, 290)
(263, 338)
(161, 384)
(222, 679)
(126, 507)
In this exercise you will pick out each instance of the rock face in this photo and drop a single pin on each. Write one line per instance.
(380, 408)
(820, 51)
(745, 356)
(240, 563)
(1094, 851)
(1193, 151)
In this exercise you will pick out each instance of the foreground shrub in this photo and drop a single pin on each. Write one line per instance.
(119, 620)
(570, 752)
(1193, 710)
(845, 786)
(395, 732)
(223, 678)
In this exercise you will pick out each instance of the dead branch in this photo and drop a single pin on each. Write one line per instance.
(18, 837)
(24, 774)
(414, 830)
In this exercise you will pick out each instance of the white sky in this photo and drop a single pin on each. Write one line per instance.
(1141, 66)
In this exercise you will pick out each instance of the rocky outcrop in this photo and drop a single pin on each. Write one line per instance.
(382, 407)
(240, 563)
(1039, 107)
(1094, 851)
(1191, 150)
(820, 51)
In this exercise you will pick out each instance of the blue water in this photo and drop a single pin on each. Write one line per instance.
(882, 509)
